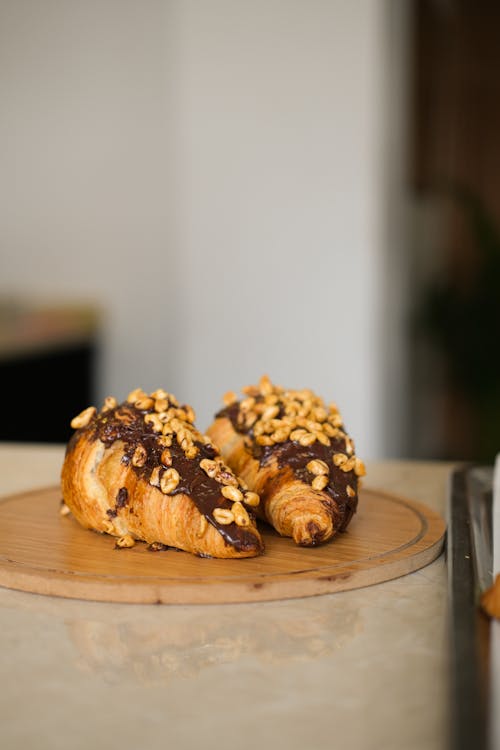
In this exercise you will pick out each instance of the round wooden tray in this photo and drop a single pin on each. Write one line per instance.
(45, 553)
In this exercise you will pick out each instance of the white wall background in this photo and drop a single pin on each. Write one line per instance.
(214, 174)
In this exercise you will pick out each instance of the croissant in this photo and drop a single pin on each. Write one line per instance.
(140, 470)
(295, 454)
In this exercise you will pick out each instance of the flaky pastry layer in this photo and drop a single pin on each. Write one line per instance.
(141, 471)
(295, 454)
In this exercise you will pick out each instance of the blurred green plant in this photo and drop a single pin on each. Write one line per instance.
(462, 321)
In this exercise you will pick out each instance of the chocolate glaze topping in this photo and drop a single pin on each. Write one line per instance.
(121, 498)
(295, 456)
(126, 422)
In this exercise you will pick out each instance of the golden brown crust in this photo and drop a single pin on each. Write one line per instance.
(288, 504)
(119, 481)
(294, 453)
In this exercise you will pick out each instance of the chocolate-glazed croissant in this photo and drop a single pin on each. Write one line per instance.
(294, 452)
(140, 470)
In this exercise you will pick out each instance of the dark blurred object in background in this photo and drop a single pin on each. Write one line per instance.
(460, 316)
(455, 362)
(47, 357)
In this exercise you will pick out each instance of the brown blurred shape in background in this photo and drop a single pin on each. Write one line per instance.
(455, 165)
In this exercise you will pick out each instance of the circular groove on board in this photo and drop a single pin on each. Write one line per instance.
(44, 553)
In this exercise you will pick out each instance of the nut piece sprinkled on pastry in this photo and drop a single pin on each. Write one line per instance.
(140, 470)
(294, 452)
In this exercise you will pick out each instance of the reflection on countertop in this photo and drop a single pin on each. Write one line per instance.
(155, 653)
(153, 644)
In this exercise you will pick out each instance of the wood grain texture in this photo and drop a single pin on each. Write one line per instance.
(45, 553)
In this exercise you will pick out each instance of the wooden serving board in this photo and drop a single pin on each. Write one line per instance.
(46, 553)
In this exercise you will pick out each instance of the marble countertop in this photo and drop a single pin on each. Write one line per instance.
(359, 669)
